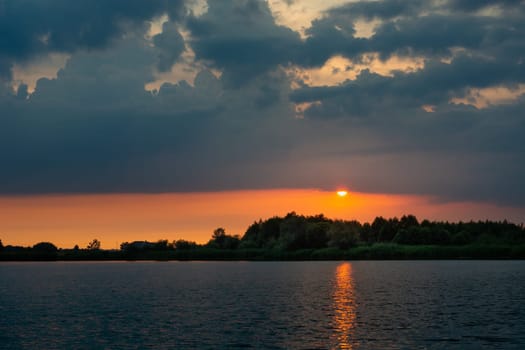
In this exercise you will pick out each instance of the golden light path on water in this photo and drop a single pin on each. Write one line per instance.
(344, 306)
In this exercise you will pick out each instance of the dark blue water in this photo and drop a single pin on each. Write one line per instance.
(263, 305)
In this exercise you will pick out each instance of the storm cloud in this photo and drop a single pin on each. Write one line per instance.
(253, 115)
(31, 28)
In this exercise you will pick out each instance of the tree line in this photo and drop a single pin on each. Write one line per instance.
(294, 232)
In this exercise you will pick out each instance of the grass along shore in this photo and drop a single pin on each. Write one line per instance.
(378, 251)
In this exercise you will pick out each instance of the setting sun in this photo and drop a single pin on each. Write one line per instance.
(342, 193)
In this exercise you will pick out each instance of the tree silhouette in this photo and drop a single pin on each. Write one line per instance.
(343, 234)
(161, 244)
(219, 233)
(45, 247)
(221, 240)
(184, 245)
(218, 237)
(94, 245)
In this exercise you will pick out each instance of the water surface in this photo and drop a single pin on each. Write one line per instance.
(263, 305)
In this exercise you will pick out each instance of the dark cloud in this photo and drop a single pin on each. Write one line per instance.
(405, 31)
(380, 9)
(475, 5)
(437, 83)
(113, 77)
(328, 37)
(171, 44)
(460, 50)
(31, 28)
(394, 9)
(96, 129)
(241, 38)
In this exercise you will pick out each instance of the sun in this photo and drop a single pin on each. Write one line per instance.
(342, 193)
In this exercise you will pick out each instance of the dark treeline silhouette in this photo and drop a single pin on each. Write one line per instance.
(313, 237)
(40, 251)
(294, 232)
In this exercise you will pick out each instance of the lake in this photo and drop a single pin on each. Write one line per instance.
(263, 305)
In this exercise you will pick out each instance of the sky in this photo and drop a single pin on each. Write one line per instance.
(239, 106)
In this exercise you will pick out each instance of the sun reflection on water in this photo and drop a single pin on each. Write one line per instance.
(344, 306)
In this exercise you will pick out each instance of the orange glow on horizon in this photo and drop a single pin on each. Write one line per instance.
(342, 193)
(67, 220)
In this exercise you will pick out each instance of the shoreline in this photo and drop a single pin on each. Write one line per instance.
(365, 252)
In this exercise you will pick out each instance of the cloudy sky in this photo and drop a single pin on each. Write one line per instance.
(397, 97)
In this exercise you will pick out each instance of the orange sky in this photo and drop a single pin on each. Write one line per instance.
(67, 220)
